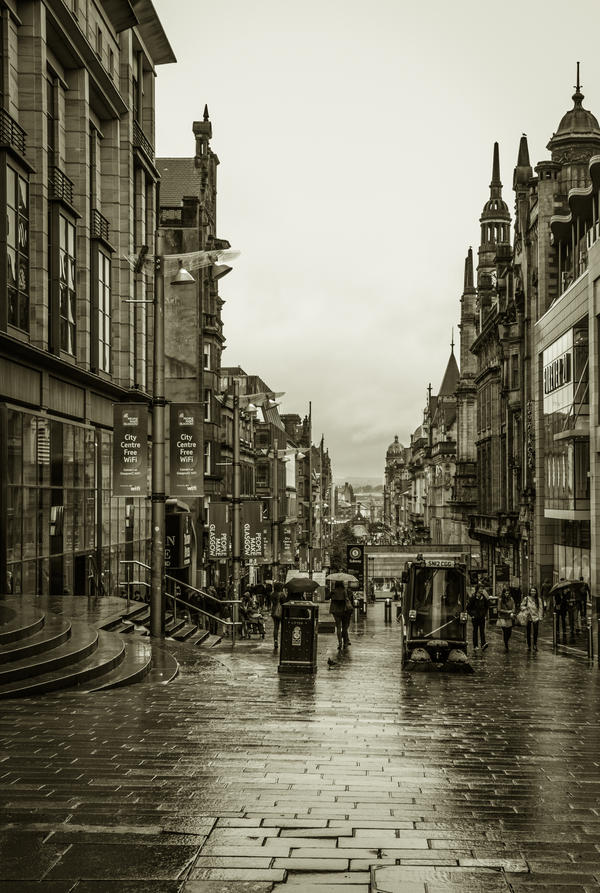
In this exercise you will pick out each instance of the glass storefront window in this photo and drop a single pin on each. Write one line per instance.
(89, 458)
(30, 474)
(15, 447)
(14, 538)
(30, 498)
(68, 456)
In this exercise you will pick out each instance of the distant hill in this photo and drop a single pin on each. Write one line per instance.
(358, 483)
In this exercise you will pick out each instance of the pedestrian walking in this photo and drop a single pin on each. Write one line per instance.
(581, 599)
(533, 608)
(278, 597)
(340, 607)
(506, 615)
(477, 608)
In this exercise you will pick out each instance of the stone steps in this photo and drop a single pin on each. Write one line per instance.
(42, 652)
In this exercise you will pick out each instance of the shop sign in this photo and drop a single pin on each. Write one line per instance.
(557, 373)
(130, 450)
(178, 539)
(186, 450)
(219, 530)
(252, 529)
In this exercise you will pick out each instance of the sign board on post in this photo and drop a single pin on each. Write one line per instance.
(178, 540)
(186, 449)
(252, 530)
(219, 530)
(355, 562)
(130, 450)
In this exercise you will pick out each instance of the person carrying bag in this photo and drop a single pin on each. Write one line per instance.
(506, 613)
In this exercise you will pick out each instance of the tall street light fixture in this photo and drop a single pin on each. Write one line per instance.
(162, 262)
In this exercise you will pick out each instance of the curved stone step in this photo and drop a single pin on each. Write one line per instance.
(109, 652)
(18, 621)
(135, 666)
(82, 641)
(164, 666)
(54, 632)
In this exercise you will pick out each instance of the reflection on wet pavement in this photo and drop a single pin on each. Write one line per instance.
(362, 777)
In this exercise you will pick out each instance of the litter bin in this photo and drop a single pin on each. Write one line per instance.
(299, 624)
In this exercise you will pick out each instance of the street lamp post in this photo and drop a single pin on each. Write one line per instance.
(235, 512)
(275, 518)
(310, 495)
(157, 572)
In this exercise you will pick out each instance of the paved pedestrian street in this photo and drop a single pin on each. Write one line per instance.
(233, 778)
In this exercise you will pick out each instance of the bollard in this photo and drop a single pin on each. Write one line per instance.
(590, 639)
(388, 611)
(554, 629)
(363, 607)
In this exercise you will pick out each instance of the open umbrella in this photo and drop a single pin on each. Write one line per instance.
(342, 577)
(301, 584)
(566, 584)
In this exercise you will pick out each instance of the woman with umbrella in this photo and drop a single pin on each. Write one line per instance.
(341, 605)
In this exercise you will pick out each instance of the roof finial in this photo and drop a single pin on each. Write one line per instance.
(452, 342)
(578, 95)
(206, 107)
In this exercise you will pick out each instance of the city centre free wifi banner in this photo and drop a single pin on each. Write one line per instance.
(130, 450)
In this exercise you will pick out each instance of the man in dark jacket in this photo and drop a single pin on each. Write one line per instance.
(477, 607)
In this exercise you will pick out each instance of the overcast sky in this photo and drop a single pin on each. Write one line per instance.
(355, 142)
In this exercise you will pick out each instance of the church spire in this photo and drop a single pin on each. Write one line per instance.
(496, 185)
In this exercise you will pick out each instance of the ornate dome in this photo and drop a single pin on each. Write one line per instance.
(395, 449)
(578, 121)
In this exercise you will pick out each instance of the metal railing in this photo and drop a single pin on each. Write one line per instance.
(213, 619)
(100, 225)
(11, 133)
(141, 141)
(61, 186)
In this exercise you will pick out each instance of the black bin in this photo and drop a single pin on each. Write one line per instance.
(299, 624)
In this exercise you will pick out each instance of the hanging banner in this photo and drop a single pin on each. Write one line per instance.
(252, 530)
(130, 450)
(288, 544)
(186, 449)
(267, 544)
(219, 530)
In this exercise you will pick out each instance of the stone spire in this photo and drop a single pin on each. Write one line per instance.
(468, 282)
(523, 170)
(496, 185)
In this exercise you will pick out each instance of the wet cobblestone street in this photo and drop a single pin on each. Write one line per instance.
(234, 778)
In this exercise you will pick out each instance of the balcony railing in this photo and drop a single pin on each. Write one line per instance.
(100, 225)
(61, 187)
(11, 133)
(141, 141)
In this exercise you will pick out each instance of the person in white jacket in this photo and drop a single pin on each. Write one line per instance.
(533, 607)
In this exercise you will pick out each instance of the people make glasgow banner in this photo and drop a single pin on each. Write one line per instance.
(219, 530)
(252, 530)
